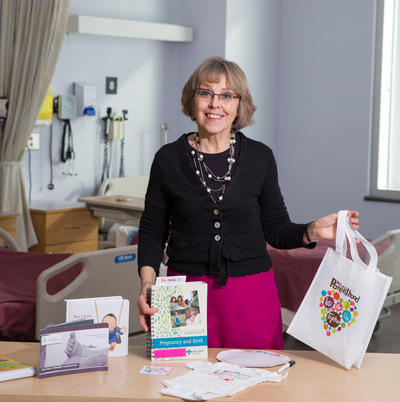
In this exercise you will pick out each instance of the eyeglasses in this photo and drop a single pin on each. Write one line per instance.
(225, 98)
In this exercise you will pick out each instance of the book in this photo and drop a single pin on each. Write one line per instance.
(11, 369)
(73, 348)
(179, 329)
(113, 310)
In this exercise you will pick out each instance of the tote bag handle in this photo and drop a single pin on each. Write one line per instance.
(345, 231)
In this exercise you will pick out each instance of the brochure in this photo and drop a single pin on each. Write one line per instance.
(69, 349)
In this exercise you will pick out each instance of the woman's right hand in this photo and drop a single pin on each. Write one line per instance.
(148, 277)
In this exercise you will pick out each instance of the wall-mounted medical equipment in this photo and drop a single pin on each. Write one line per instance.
(65, 108)
(114, 130)
(85, 98)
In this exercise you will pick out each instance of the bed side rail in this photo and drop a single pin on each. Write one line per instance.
(109, 272)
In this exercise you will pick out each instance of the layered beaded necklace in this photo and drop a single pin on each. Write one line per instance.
(203, 171)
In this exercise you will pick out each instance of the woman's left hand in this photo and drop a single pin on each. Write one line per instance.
(325, 227)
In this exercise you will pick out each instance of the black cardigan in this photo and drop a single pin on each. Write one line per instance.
(225, 238)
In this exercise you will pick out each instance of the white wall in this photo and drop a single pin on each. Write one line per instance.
(252, 41)
(309, 66)
(151, 75)
(146, 78)
(208, 19)
(324, 111)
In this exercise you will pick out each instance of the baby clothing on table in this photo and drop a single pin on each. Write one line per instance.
(212, 380)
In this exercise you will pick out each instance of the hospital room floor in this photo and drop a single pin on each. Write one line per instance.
(385, 340)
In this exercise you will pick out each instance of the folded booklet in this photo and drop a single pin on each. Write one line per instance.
(113, 310)
(73, 348)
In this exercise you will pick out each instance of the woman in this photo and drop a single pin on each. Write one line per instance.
(173, 303)
(181, 303)
(215, 194)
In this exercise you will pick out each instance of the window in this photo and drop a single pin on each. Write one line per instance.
(385, 146)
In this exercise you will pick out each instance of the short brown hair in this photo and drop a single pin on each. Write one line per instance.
(210, 70)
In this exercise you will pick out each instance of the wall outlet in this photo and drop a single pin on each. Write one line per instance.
(34, 142)
(111, 85)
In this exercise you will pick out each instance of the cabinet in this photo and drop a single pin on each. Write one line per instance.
(8, 223)
(63, 227)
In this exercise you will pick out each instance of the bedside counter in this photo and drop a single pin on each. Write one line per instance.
(63, 227)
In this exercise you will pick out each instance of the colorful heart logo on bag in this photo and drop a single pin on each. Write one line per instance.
(337, 312)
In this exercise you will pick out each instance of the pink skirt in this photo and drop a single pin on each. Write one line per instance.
(244, 314)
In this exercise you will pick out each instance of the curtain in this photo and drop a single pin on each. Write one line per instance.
(31, 34)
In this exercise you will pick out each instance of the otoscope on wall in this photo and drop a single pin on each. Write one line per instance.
(106, 155)
(114, 129)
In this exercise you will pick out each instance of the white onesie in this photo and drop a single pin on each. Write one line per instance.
(212, 380)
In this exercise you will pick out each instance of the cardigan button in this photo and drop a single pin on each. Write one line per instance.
(217, 225)
(216, 211)
(217, 237)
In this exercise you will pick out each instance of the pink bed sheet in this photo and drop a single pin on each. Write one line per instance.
(295, 269)
(18, 274)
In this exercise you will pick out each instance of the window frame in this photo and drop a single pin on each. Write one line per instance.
(376, 194)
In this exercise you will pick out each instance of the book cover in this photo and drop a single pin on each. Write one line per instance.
(73, 349)
(11, 369)
(113, 310)
(179, 328)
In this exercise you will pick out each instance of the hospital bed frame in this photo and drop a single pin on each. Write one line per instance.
(113, 272)
(8, 241)
(108, 272)
(389, 264)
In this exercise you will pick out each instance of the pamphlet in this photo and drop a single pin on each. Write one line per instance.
(73, 349)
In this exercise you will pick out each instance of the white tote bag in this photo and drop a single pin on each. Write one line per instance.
(339, 311)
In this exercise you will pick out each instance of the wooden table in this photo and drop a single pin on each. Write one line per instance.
(312, 378)
(118, 207)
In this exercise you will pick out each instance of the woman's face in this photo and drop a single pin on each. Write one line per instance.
(213, 116)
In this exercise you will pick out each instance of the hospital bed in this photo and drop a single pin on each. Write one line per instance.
(33, 286)
(295, 269)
